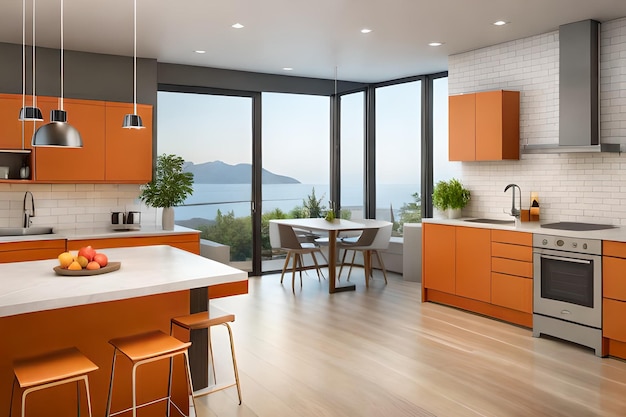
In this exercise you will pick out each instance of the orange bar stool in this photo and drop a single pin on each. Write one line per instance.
(50, 370)
(206, 320)
(144, 348)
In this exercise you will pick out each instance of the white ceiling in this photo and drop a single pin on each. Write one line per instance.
(312, 36)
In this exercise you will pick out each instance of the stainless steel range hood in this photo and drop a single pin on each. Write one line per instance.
(579, 129)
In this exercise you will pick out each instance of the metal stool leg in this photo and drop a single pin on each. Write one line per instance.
(232, 351)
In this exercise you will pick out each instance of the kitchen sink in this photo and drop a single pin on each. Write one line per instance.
(492, 221)
(25, 231)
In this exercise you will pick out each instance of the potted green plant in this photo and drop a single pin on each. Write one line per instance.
(169, 187)
(450, 197)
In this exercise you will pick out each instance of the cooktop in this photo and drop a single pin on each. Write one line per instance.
(575, 226)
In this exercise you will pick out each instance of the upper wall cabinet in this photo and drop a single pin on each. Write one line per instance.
(128, 151)
(484, 126)
(84, 164)
(10, 126)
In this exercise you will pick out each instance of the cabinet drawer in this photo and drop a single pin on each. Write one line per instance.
(512, 267)
(617, 249)
(507, 236)
(517, 252)
(613, 319)
(613, 278)
(512, 292)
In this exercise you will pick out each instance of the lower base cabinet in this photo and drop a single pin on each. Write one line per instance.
(614, 297)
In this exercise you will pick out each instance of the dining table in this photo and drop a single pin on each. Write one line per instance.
(332, 227)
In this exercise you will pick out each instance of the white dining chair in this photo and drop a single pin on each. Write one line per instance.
(371, 241)
(284, 237)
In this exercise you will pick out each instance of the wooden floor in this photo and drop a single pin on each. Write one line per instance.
(381, 352)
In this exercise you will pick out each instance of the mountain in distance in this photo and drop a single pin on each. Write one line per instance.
(218, 172)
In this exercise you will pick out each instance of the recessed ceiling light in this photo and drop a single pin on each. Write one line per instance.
(287, 68)
(366, 30)
(435, 44)
(237, 25)
(500, 23)
(200, 52)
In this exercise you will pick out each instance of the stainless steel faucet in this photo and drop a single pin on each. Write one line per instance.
(29, 213)
(515, 212)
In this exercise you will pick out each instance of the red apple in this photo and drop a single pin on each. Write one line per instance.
(101, 258)
(93, 265)
(88, 252)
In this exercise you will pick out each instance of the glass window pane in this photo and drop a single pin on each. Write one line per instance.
(398, 153)
(352, 155)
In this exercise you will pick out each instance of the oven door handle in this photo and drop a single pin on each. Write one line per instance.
(558, 258)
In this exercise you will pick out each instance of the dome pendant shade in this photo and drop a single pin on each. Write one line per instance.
(57, 133)
(132, 121)
(29, 114)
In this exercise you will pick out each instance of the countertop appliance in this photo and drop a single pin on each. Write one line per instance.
(567, 289)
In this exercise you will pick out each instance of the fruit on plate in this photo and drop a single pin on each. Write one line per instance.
(101, 259)
(65, 259)
(86, 258)
(88, 252)
(93, 265)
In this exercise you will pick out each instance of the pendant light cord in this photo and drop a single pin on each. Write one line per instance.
(135, 59)
(34, 96)
(62, 55)
(23, 53)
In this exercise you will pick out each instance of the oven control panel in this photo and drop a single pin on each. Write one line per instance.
(570, 244)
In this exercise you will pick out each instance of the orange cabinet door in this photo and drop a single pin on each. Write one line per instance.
(473, 263)
(128, 151)
(512, 292)
(497, 125)
(462, 127)
(439, 254)
(10, 126)
(84, 164)
(515, 238)
(613, 313)
(613, 278)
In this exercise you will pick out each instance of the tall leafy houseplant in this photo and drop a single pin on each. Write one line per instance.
(450, 196)
(170, 187)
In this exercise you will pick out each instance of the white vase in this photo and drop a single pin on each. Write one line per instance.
(453, 213)
(167, 220)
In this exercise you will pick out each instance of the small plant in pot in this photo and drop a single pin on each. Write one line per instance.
(450, 197)
(169, 187)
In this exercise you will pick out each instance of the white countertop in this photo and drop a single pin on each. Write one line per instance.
(616, 234)
(34, 286)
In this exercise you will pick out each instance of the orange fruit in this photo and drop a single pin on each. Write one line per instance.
(82, 261)
(65, 259)
(93, 265)
(75, 266)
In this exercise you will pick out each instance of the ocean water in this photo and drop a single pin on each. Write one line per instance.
(208, 198)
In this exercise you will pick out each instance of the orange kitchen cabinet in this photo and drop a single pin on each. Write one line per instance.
(611, 248)
(128, 151)
(515, 238)
(613, 319)
(613, 278)
(84, 164)
(484, 126)
(10, 126)
(185, 241)
(512, 292)
(462, 127)
(473, 263)
(438, 243)
(34, 250)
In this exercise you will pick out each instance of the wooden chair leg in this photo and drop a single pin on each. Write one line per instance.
(343, 260)
(317, 267)
(382, 265)
(285, 266)
(351, 264)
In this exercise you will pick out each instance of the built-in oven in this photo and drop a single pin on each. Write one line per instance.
(567, 301)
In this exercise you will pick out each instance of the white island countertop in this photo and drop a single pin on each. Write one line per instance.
(34, 286)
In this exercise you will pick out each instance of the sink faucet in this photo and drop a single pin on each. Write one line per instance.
(28, 213)
(515, 212)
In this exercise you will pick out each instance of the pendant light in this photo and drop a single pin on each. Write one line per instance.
(58, 133)
(28, 113)
(133, 121)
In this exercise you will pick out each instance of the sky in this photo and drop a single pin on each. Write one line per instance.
(296, 132)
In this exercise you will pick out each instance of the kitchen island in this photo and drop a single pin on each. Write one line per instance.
(41, 311)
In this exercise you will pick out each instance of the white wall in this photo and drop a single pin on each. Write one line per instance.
(575, 187)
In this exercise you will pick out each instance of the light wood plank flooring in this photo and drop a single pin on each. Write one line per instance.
(381, 352)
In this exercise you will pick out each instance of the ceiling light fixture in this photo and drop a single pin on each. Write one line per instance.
(58, 133)
(28, 113)
(435, 44)
(133, 121)
(366, 30)
(287, 69)
(237, 26)
(200, 51)
(500, 23)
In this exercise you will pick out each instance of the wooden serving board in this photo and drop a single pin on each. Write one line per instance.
(111, 266)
